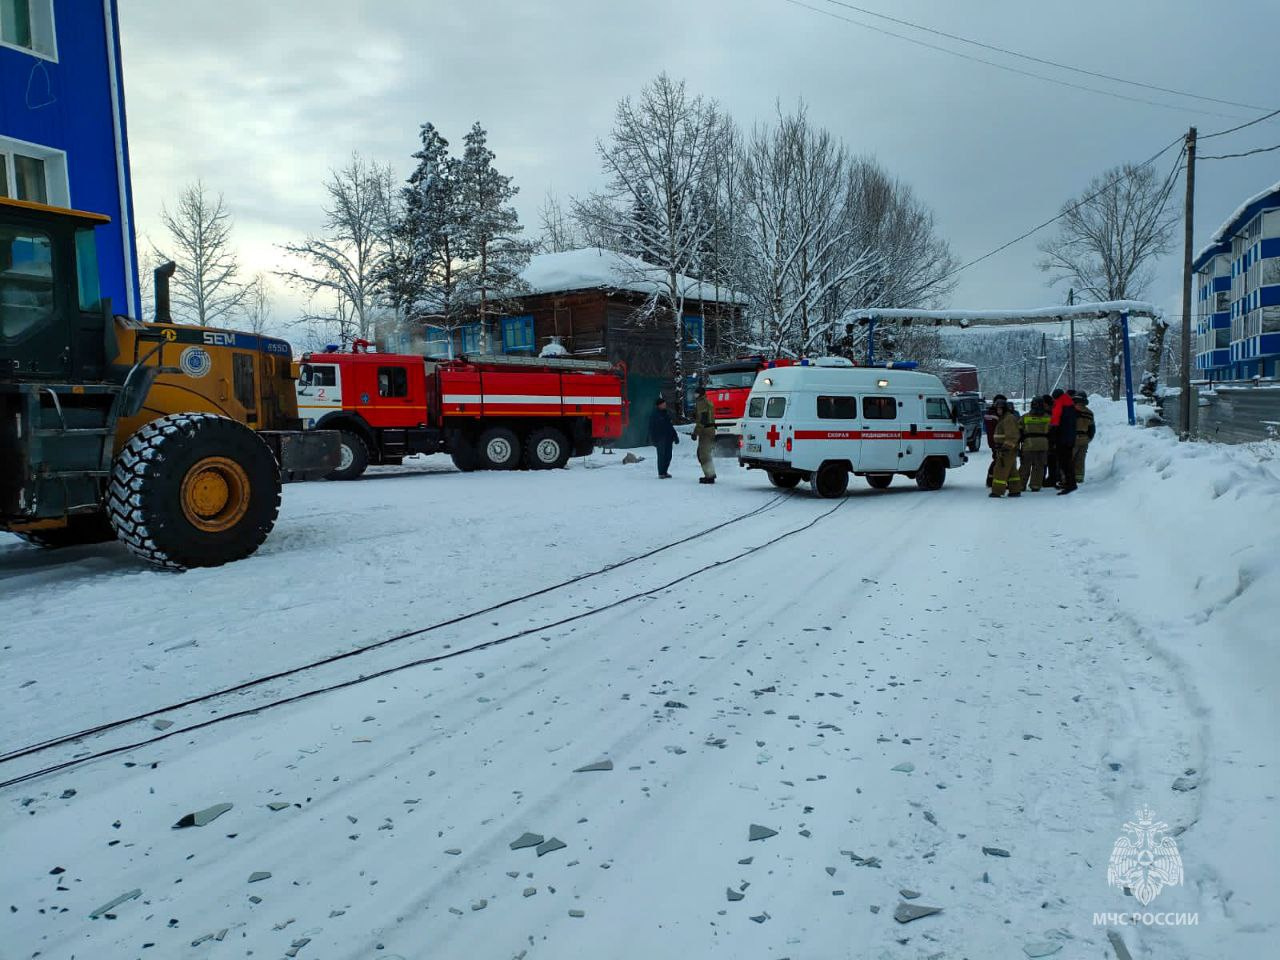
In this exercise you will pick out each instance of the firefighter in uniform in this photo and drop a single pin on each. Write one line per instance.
(704, 431)
(1035, 445)
(1005, 438)
(1085, 431)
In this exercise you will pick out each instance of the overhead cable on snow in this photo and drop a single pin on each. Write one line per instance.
(1042, 60)
(1004, 66)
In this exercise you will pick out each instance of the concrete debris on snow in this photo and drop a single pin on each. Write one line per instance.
(202, 817)
(757, 832)
(906, 912)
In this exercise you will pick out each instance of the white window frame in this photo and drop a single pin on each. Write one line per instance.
(43, 33)
(57, 186)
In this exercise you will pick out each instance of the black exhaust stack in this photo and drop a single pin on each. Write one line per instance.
(162, 275)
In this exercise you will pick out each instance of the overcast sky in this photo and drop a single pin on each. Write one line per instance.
(260, 99)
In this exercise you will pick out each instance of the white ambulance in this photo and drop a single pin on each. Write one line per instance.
(824, 419)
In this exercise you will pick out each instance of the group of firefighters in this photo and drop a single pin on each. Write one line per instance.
(1053, 440)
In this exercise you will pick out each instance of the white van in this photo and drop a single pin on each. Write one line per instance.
(825, 419)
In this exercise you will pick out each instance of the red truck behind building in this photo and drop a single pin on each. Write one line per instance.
(728, 386)
(488, 413)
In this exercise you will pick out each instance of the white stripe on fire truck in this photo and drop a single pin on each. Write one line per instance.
(517, 398)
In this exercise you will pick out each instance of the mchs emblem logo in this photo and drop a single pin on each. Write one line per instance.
(195, 361)
(1144, 859)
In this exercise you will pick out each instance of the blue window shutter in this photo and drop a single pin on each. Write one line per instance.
(693, 332)
(517, 334)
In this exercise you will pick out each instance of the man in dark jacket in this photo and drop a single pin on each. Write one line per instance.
(662, 434)
(1051, 461)
(1065, 411)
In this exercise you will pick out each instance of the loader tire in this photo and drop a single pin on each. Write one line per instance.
(81, 529)
(353, 457)
(194, 490)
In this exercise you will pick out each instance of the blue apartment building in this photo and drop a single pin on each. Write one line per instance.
(1238, 304)
(63, 136)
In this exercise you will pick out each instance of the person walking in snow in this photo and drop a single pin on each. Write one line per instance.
(1035, 445)
(1005, 439)
(704, 431)
(1085, 432)
(662, 434)
(1065, 411)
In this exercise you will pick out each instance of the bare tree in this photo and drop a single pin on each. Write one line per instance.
(559, 233)
(657, 160)
(258, 308)
(204, 286)
(340, 271)
(1107, 245)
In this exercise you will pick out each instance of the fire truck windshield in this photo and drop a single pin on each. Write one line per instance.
(729, 379)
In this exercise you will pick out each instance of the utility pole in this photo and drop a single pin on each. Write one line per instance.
(1184, 401)
(1071, 301)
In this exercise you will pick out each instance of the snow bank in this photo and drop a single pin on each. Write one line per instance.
(594, 268)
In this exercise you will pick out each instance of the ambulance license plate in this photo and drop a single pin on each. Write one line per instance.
(752, 448)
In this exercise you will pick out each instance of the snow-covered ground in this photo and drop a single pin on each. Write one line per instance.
(891, 683)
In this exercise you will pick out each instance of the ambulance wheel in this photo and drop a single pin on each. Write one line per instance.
(499, 449)
(81, 529)
(546, 449)
(784, 480)
(194, 490)
(974, 445)
(879, 481)
(931, 475)
(831, 481)
(353, 457)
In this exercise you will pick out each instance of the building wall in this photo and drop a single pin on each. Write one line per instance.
(72, 102)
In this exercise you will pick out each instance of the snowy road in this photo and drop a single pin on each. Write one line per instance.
(892, 684)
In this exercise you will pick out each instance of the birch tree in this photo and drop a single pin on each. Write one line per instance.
(204, 289)
(656, 161)
(257, 307)
(559, 234)
(1107, 245)
(340, 269)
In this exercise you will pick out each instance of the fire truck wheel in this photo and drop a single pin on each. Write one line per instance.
(194, 490)
(931, 475)
(831, 481)
(783, 480)
(353, 457)
(81, 528)
(463, 454)
(546, 449)
(879, 481)
(499, 449)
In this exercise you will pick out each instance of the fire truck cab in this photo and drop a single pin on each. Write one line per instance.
(728, 385)
(825, 419)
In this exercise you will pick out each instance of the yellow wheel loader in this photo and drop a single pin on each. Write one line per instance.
(171, 437)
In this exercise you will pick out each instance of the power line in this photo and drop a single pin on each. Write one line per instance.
(1223, 133)
(1040, 60)
(1247, 153)
(1067, 210)
(1004, 66)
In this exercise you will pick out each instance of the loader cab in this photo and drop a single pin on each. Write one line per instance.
(54, 324)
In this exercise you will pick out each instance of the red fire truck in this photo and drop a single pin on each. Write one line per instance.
(488, 413)
(728, 385)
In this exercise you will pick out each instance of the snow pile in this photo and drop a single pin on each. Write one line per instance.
(594, 268)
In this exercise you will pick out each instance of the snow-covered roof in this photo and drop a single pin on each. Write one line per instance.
(1001, 318)
(1234, 222)
(594, 268)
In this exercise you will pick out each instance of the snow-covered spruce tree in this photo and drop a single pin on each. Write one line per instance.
(205, 286)
(489, 229)
(425, 247)
(1106, 246)
(656, 161)
(340, 270)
